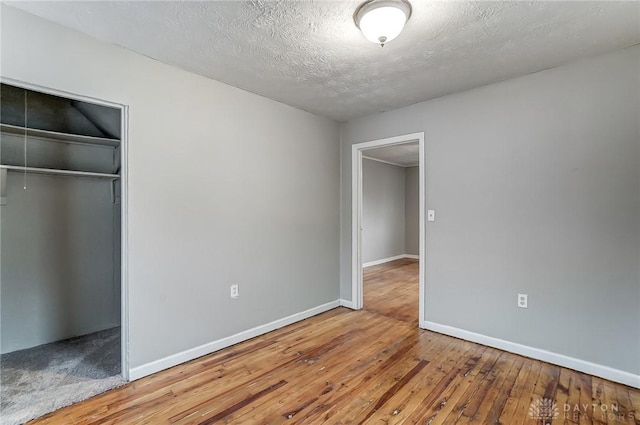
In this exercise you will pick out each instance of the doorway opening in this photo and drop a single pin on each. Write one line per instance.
(63, 249)
(388, 184)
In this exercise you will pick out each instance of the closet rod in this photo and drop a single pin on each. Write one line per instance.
(54, 172)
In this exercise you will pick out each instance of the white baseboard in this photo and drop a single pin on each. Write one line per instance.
(346, 303)
(202, 350)
(386, 260)
(601, 371)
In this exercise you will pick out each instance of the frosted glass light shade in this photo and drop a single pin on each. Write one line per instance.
(382, 20)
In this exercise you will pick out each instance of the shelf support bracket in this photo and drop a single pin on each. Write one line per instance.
(3, 186)
(115, 199)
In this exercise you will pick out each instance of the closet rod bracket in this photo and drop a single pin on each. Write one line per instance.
(3, 186)
(115, 198)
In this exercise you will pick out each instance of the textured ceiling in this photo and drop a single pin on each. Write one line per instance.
(309, 54)
(404, 155)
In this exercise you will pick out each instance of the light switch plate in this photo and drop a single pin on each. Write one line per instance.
(431, 215)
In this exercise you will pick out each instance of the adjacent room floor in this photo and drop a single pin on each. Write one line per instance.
(370, 366)
(391, 289)
(41, 379)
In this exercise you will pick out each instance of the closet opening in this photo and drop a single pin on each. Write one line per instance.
(62, 327)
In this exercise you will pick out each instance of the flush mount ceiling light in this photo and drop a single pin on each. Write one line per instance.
(382, 20)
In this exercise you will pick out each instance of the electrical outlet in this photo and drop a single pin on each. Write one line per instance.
(235, 291)
(523, 300)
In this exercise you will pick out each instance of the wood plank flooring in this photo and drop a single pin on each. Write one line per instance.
(391, 289)
(372, 366)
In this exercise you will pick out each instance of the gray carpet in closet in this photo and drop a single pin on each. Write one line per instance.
(41, 379)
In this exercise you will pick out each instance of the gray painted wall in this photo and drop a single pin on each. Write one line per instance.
(412, 210)
(57, 246)
(225, 187)
(382, 210)
(536, 186)
(390, 210)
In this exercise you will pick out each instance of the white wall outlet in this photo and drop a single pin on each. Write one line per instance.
(431, 215)
(523, 300)
(235, 291)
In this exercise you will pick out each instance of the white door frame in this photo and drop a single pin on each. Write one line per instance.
(124, 204)
(357, 293)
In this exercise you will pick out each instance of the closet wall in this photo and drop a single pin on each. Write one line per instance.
(60, 237)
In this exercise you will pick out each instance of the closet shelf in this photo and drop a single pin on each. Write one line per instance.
(55, 172)
(55, 136)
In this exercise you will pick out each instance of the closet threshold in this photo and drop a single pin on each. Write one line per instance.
(55, 136)
(56, 172)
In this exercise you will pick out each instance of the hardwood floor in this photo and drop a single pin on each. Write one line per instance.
(391, 289)
(372, 366)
